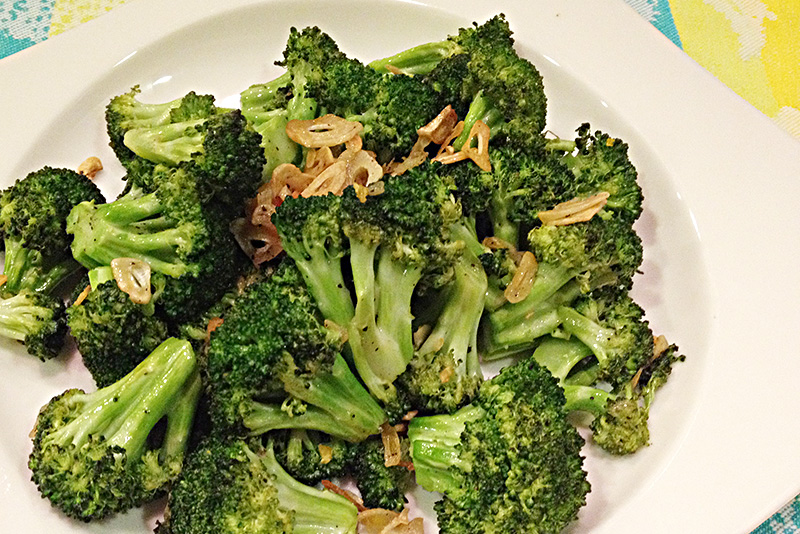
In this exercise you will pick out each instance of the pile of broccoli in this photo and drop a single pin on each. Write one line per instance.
(246, 391)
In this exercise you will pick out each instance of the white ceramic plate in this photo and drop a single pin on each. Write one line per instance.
(721, 225)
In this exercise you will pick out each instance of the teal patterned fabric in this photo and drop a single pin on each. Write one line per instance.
(24, 23)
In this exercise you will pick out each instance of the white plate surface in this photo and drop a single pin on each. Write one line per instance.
(721, 224)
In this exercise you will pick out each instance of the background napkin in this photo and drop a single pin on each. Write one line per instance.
(752, 46)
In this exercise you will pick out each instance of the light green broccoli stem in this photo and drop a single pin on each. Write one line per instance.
(24, 270)
(270, 123)
(418, 60)
(323, 275)
(456, 328)
(504, 338)
(314, 510)
(180, 418)
(124, 413)
(20, 316)
(130, 227)
(334, 403)
(480, 109)
(169, 143)
(436, 448)
(380, 335)
(590, 333)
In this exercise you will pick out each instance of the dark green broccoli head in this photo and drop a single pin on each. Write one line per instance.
(402, 105)
(112, 333)
(310, 456)
(34, 210)
(433, 383)
(271, 318)
(273, 364)
(510, 462)
(410, 219)
(601, 251)
(622, 428)
(601, 163)
(381, 486)
(257, 496)
(92, 455)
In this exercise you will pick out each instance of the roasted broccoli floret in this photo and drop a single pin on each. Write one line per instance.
(399, 246)
(380, 486)
(33, 215)
(311, 234)
(311, 456)
(272, 364)
(113, 334)
(93, 454)
(176, 228)
(572, 260)
(445, 372)
(238, 487)
(36, 320)
(600, 162)
(126, 112)
(390, 107)
(479, 73)
(508, 462)
(620, 423)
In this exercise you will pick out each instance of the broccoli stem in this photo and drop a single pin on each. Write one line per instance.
(504, 337)
(125, 412)
(436, 447)
(337, 404)
(380, 335)
(131, 226)
(314, 510)
(323, 275)
(480, 109)
(418, 60)
(180, 418)
(24, 269)
(456, 328)
(21, 316)
(590, 333)
(169, 143)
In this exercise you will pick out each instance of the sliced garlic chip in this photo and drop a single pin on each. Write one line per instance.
(363, 169)
(521, 284)
(574, 211)
(133, 278)
(328, 130)
(392, 453)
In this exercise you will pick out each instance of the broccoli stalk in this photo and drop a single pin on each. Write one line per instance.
(259, 496)
(272, 364)
(332, 402)
(92, 454)
(36, 320)
(508, 462)
(445, 373)
(137, 225)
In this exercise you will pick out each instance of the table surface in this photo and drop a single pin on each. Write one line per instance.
(752, 46)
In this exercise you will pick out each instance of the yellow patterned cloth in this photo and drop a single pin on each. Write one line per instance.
(69, 13)
(753, 46)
